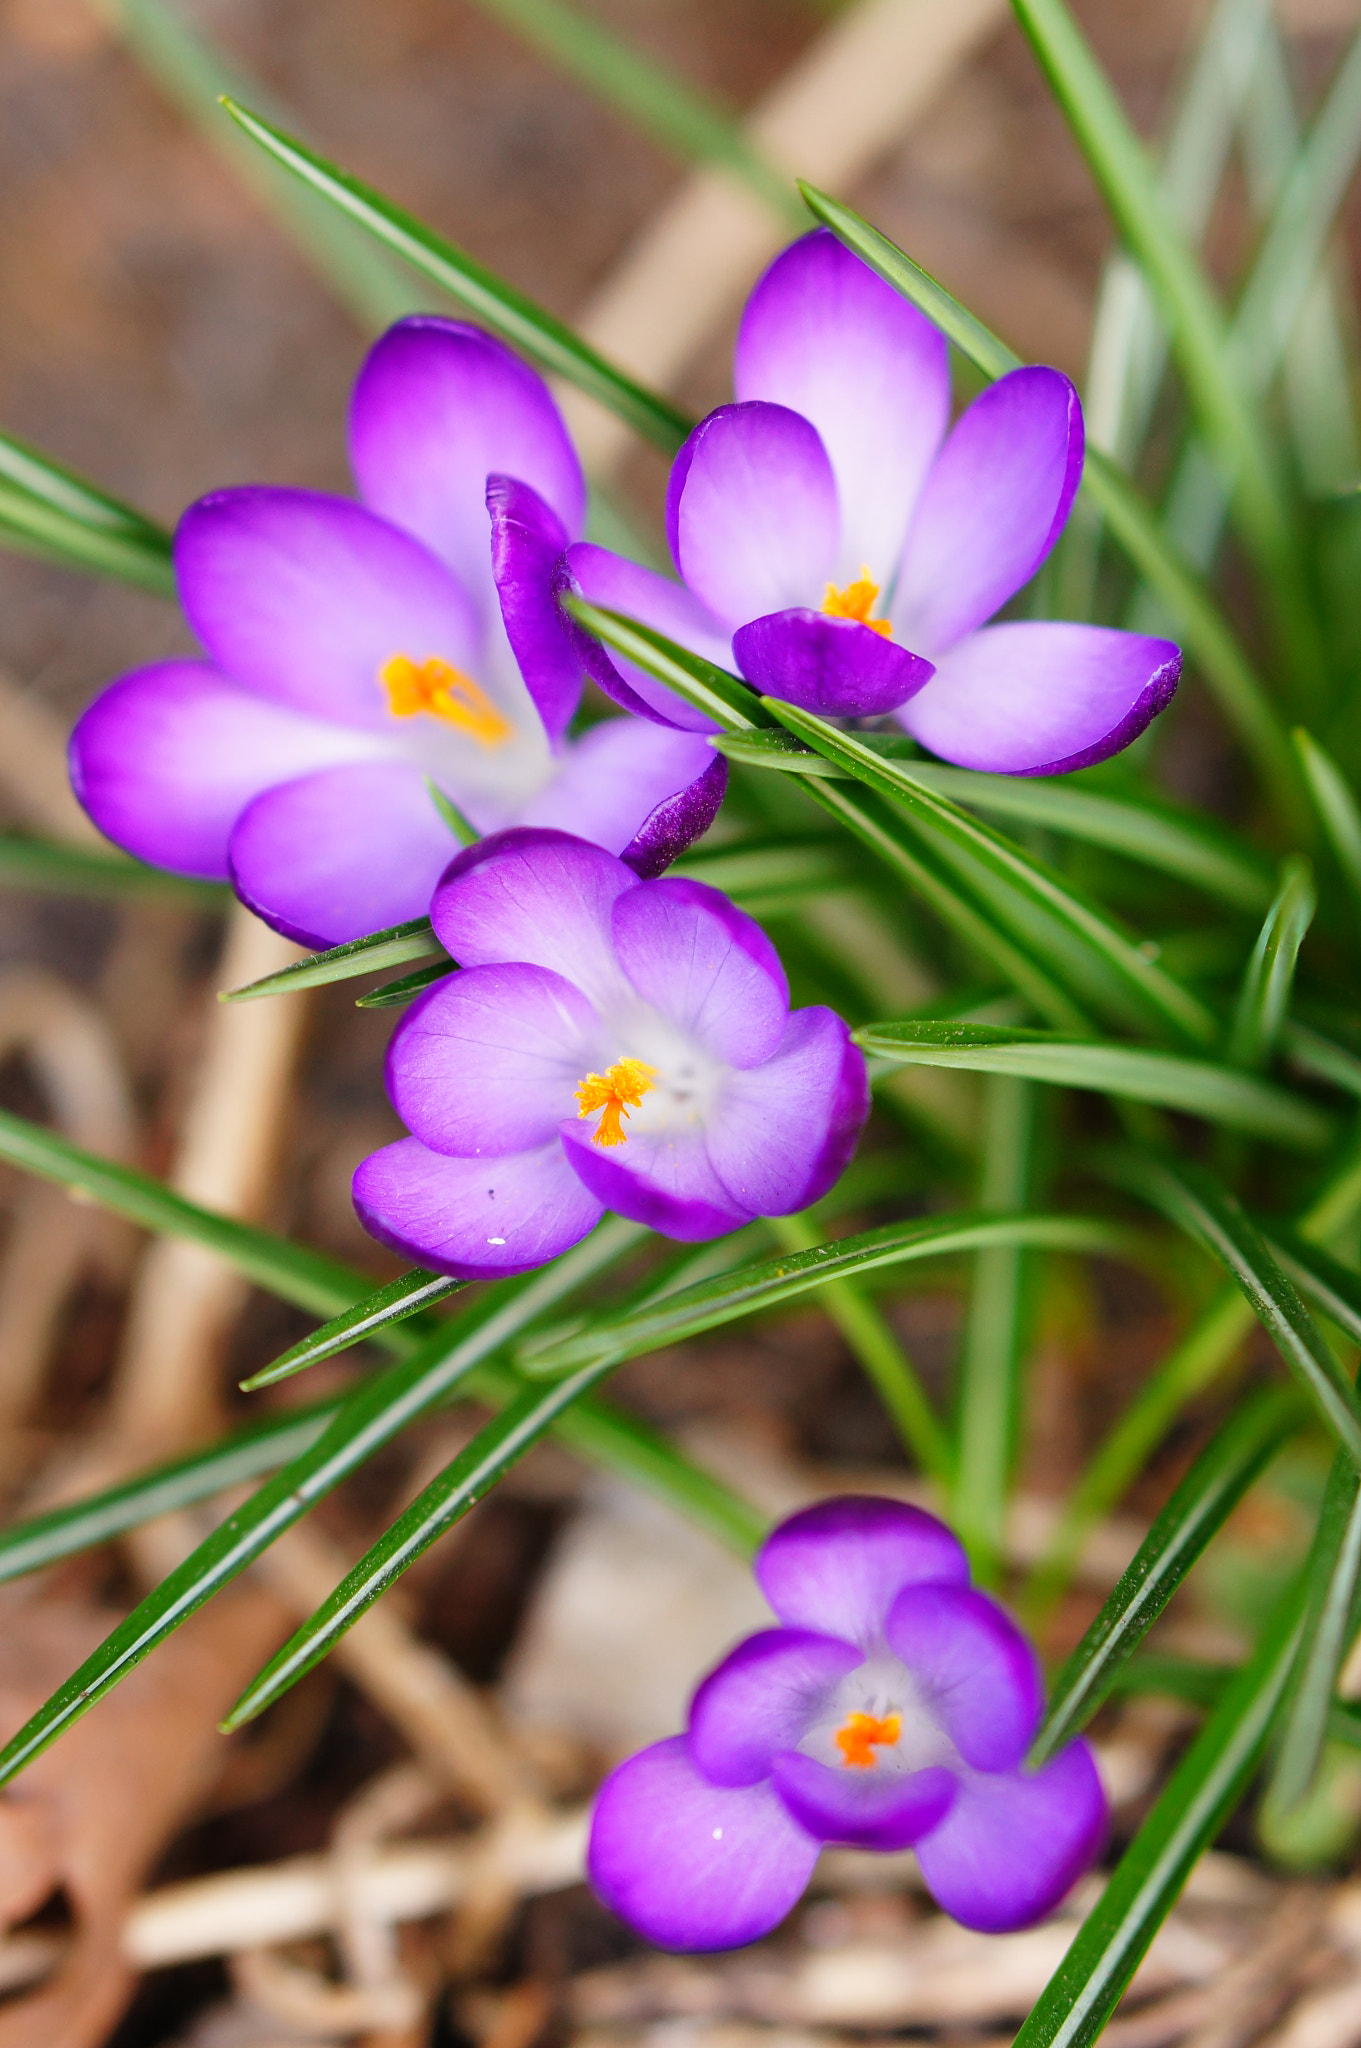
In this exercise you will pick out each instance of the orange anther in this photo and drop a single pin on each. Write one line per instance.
(860, 1734)
(616, 1091)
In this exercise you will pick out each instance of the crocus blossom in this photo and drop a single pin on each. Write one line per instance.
(844, 547)
(609, 1043)
(891, 1707)
(361, 653)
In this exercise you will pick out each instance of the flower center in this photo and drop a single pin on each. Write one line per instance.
(616, 1091)
(859, 1734)
(854, 602)
(438, 687)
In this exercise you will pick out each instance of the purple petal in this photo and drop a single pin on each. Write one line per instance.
(691, 1865)
(544, 897)
(486, 1063)
(662, 1178)
(611, 783)
(873, 1809)
(438, 408)
(669, 608)
(478, 1219)
(1011, 1847)
(826, 337)
(677, 822)
(786, 1130)
(761, 1699)
(752, 512)
(838, 1567)
(166, 759)
(304, 597)
(980, 1675)
(527, 542)
(1039, 697)
(991, 509)
(836, 667)
(706, 966)
(340, 853)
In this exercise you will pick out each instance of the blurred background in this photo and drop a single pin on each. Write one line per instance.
(163, 331)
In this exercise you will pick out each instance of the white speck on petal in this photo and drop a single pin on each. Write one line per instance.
(718, 1834)
(496, 1240)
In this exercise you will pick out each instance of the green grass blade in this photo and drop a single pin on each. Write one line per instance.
(776, 875)
(1338, 811)
(72, 521)
(1330, 1577)
(1189, 1812)
(394, 994)
(401, 1298)
(49, 869)
(992, 1349)
(1325, 1283)
(472, 1474)
(41, 1540)
(718, 694)
(1196, 617)
(1079, 940)
(506, 311)
(887, 1367)
(673, 113)
(1199, 1507)
(1199, 332)
(369, 955)
(770, 1283)
(1270, 975)
(1311, 1053)
(194, 76)
(1193, 1200)
(1220, 1094)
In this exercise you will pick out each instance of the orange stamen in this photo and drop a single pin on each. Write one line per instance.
(855, 601)
(860, 1734)
(438, 687)
(616, 1091)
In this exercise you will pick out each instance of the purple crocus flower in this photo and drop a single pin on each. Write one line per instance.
(359, 653)
(891, 1708)
(845, 551)
(609, 1043)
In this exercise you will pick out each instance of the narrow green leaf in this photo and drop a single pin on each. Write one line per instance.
(369, 955)
(1046, 911)
(72, 521)
(391, 1304)
(1197, 327)
(719, 695)
(1325, 1283)
(1220, 1094)
(773, 1282)
(775, 874)
(1199, 1507)
(1330, 1578)
(462, 829)
(1310, 1052)
(50, 869)
(1178, 843)
(507, 312)
(663, 106)
(1197, 618)
(1338, 811)
(473, 1473)
(1192, 1199)
(406, 988)
(42, 1540)
(1189, 1812)
(1270, 975)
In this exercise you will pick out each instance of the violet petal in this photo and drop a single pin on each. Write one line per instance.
(705, 965)
(839, 1566)
(617, 585)
(541, 896)
(692, 1865)
(833, 666)
(677, 822)
(785, 1130)
(761, 1699)
(980, 1676)
(661, 1178)
(609, 784)
(869, 1809)
(478, 1219)
(1011, 1846)
(527, 541)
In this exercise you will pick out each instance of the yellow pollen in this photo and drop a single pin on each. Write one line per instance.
(854, 602)
(859, 1735)
(616, 1091)
(438, 687)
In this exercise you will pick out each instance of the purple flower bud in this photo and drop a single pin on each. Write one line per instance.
(359, 652)
(892, 1708)
(845, 548)
(610, 1043)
